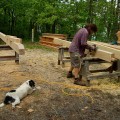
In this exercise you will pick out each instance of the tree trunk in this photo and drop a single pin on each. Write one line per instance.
(53, 27)
(90, 14)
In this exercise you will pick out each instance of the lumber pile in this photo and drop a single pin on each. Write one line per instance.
(47, 39)
(61, 36)
(14, 42)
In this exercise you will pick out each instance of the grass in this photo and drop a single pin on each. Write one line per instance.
(36, 45)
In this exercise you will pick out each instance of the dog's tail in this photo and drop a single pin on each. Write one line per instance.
(1, 105)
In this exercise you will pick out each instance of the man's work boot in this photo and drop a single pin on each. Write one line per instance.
(77, 81)
(70, 75)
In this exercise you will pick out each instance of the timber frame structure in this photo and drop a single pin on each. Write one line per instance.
(105, 53)
(86, 72)
(12, 43)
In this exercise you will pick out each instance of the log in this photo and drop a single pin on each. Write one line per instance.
(13, 39)
(14, 43)
(61, 36)
(108, 45)
(3, 37)
(104, 55)
(64, 43)
(5, 47)
(116, 52)
(18, 47)
(100, 53)
(5, 58)
(46, 38)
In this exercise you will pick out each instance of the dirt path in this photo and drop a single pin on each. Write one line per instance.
(58, 98)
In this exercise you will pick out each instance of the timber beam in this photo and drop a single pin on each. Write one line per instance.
(5, 47)
(116, 52)
(14, 43)
(103, 52)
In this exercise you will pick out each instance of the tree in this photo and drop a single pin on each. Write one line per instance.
(59, 16)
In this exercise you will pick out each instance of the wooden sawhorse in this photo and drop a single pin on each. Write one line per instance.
(61, 56)
(85, 66)
(6, 58)
(88, 74)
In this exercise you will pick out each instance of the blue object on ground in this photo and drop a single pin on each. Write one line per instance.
(114, 43)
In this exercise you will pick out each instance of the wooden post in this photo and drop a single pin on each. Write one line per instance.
(118, 64)
(16, 58)
(33, 35)
(59, 56)
(84, 71)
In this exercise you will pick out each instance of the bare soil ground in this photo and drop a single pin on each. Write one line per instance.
(58, 98)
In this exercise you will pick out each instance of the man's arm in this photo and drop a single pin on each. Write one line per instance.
(84, 42)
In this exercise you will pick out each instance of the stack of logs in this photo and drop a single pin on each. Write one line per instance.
(47, 39)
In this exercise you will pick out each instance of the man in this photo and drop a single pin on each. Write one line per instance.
(116, 42)
(77, 51)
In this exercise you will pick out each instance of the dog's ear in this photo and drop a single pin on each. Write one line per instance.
(31, 83)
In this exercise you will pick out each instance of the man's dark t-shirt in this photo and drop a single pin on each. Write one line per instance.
(79, 42)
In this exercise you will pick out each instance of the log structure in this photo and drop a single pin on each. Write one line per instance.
(47, 39)
(12, 43)
(104, 53)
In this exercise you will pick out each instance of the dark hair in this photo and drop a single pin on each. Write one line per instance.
(93, 27)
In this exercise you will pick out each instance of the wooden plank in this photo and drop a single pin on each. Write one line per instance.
(108, 45)
(18, 47)
(93, 76)
(116, 52)
(5, 47)
(14, 43)
(61, 36)
(46, 38)
(102, 54)
(50, 43)
(64, 43)
(5, 58)
(3, 37)
(13, 39)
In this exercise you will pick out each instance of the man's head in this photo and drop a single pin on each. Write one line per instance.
(92, 28)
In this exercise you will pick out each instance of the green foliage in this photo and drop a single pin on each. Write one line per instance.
(18, 17)
(35, 45)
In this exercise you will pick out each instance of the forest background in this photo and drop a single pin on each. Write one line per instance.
(19, 17)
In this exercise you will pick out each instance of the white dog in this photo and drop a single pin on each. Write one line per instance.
(14, 96)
